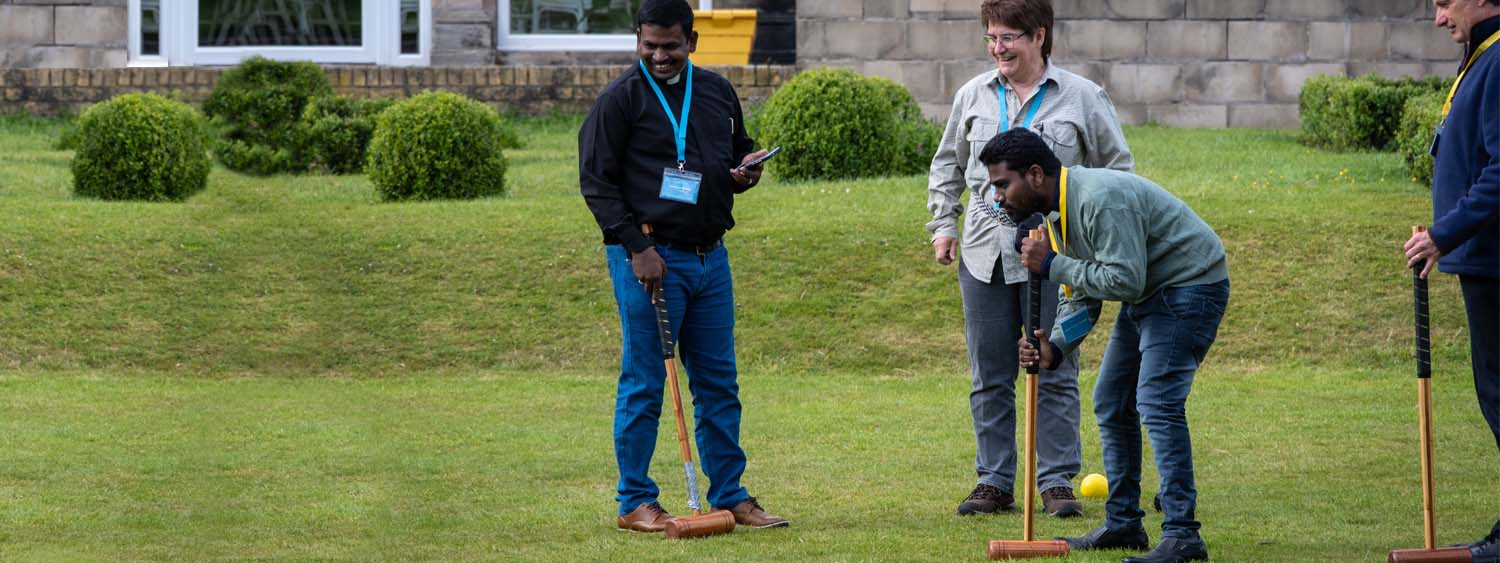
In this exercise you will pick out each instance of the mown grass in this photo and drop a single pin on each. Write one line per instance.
(287, 368)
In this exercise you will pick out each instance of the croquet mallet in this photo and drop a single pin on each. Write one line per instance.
(1028, 546)
(1429, 553)
(699, 524)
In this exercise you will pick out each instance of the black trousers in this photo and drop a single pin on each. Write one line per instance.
(1482, 303)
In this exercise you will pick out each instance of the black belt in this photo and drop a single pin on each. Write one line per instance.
(699, 249)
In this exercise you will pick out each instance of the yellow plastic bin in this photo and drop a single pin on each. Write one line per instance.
(724, 36)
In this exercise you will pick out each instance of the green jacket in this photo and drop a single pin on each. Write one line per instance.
(1127, 238)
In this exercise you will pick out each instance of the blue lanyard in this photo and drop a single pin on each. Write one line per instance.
(679, 128)
(1004, 109)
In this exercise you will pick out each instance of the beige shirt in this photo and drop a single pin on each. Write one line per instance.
(1075, 118)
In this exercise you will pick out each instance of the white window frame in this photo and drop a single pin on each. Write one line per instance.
(380, 39)
(506, 41)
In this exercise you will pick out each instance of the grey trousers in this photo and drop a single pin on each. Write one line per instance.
(993, 317)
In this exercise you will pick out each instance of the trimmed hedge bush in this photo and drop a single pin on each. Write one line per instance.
(1419, 121)
(1357, 113)
(835, 123)
(335, 132)
(141, 147)
(256, 108)
(437, 145)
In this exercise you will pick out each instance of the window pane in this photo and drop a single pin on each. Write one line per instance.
(151, 27)
(411, 21)
(593, 17)
(233, 23)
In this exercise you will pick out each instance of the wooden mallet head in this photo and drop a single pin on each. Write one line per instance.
(1019, 549)
(701, 525)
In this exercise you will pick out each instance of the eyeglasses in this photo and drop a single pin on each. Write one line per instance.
(1005, 40)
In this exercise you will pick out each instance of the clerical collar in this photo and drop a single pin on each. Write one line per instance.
(675, 79)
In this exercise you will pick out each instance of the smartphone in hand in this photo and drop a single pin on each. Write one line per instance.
(763, 158)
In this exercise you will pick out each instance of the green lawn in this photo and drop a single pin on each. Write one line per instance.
(287, 368)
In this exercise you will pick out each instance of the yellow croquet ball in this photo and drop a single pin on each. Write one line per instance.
(1094, 486)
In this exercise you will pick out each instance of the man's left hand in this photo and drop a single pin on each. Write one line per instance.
(1421, 247)
(748, 175)
(1034, 253)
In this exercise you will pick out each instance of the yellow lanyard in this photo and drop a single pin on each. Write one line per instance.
(1062, 214)
(1448, 103)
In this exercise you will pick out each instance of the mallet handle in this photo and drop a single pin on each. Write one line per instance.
(1034, 320)
(1424, 399)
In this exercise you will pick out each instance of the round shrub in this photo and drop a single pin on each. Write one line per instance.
(260, 102)
(1357, 113)
(437, 145)
(1419, 121)
(335, 132)
(835, 123)
(141, 147)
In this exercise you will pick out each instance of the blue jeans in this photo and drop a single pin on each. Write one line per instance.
(1145, 378)
(700, 302)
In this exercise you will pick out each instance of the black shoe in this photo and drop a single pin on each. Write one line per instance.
(1173, 550)
(986, 499)
(1103, 538)
(1487, 550)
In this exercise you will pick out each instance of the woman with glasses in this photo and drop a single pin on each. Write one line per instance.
(1078, 122)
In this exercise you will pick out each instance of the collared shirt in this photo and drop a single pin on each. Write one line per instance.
(627, 140)
(1077, 121)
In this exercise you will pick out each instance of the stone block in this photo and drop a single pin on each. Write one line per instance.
(1143, 83)
(1225, 9)
(1267, 41)
(1187, 40)
(1389, 9)
(1082, 9)
(961, 10)
(59, 58)
(921, 8)
(865, 40)
(455, 37)
(937, 112)
(1148, 9)
(1389, 69)
(1284, 82)
(25, 25)
(922, 78)
(463, 11)
(930, 39)
(91, 26)
(887, 9)
(1189, 115)
(830, 8)
(1224, 82)
(810, 43)
(1421, 41)
(1264, 116)
(1305, 9)
(1130, 114)
(1102, 40)
(1368, 41)
(958, 73)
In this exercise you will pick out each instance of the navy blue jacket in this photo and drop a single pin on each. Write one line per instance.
(1466, 169)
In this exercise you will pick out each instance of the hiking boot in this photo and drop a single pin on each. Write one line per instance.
(648, 517)
(749, 513)
(1487, 550)
(1173, 550)
(1060, 502)
(1103, 538)
(986, 499)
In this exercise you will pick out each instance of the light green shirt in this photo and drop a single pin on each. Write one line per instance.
(1126, 239)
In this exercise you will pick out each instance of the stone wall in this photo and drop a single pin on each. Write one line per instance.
(528, 89)
(1182, 63)
(62, 33)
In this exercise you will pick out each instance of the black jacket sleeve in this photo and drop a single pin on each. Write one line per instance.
(602, 143)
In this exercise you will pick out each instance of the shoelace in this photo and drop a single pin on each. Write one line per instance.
(656, 508)
(1061, 493)
(985, 492)
(754, 503)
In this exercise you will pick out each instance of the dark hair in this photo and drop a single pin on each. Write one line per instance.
(1019, 148)
(665, 13)
(1025, 15)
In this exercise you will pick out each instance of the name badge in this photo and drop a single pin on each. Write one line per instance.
(1076, 325)
(680, 185)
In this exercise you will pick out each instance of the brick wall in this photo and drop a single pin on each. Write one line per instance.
(62, 33)
(528, 89)
(1184, 63)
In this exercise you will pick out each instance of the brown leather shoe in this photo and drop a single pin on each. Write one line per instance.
(648, 517)
(749, 513)
(1059, 502)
